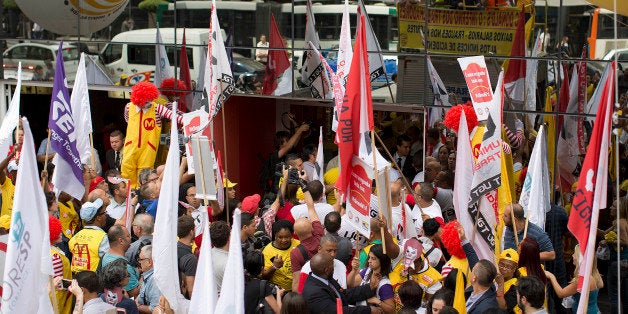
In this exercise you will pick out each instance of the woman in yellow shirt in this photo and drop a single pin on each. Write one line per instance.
(277, 264)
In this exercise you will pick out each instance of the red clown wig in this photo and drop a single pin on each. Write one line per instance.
(452, 117)
(143, 92)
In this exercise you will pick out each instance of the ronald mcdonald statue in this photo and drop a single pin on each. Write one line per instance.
(143, 116)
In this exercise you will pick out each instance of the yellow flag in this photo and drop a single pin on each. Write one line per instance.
(505, 196)
(551, 136)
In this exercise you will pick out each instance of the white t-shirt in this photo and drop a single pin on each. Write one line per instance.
(322, 209)
(433, 211)
(340, 272)
(420, 177)
(116, 210)
(262, 51)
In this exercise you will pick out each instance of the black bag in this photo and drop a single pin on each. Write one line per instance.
(263, 307)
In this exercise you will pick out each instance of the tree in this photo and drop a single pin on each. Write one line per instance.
(151, 7)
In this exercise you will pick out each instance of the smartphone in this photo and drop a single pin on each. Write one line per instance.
(65, 283)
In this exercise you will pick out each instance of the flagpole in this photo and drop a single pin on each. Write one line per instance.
(91, 144)
(224, 138)
(396, 166)
(617, 215)
(53, 295)
(43, 184)
(379, 188)
(514, 226)
(389, 207)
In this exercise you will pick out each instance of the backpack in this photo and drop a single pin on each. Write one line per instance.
(263, 307)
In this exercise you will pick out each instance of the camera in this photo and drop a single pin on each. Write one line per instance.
(293, 176)
(279, 169)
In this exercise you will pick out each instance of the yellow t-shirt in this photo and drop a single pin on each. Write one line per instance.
(330, 177)
(8, 190)
(282, 276)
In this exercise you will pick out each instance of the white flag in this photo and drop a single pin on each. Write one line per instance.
(320, 158)
(165, 235)
(376, 63)
(219, 83)
(441, 97)
(345, 54)
(568, 148)
(82, 113)
(313, 74)
(531, 73)
(535, 193)
(204, 296)
(28, 264)
(162, 64)
(11, 118)
(231, 298)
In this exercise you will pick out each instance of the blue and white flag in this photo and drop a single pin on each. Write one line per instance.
(28, 264)
(162, 64)
(231, 298)
(68, 174)
(11, 118)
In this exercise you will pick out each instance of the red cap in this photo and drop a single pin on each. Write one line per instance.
(250, 204)
(95, 182)
(55, 229)
(410, 200)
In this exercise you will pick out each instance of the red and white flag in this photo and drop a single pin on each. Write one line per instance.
(345, 54)
(515, 77)
(313, 73)
(219, 83)
(590, 195)
(356, 114)
(278, 76)
(479, 83)
(568, 146)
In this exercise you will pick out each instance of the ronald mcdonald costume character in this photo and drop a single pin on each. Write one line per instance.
(143, 116)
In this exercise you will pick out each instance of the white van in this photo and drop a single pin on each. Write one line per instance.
(132, 53)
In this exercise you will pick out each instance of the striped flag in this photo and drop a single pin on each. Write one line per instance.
(590, 195)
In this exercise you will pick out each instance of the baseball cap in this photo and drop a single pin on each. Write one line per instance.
(95, 182)
(90, 209)
(510, 255)
(250, 204)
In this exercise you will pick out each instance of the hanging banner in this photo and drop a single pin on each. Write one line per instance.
(462, 32)
(359, 195)
(479, 83)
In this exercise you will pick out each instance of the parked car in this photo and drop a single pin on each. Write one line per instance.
(247, 73)
(622, 57)
(33, 54)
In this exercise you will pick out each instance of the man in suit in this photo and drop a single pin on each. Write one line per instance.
(403, 158)
(321, 290)
(114, 155)
(481, 295)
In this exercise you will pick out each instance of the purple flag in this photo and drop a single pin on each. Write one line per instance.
(63, 136)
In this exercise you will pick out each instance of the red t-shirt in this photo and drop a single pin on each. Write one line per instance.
(284, 212)
(310, 244)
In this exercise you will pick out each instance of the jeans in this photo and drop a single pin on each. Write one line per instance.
(612, 286)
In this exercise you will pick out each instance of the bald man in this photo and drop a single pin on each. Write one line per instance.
(309, 232)
(534, 232)
(321, 290)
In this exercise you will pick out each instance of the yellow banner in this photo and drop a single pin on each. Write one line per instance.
(458, 31)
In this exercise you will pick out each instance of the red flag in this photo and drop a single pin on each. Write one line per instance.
(184, 74)
(590, 194)
(356, 114)
(514, 78)
(563, 100)
(278, 61)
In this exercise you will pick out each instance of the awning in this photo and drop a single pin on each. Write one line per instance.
(566, 3)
